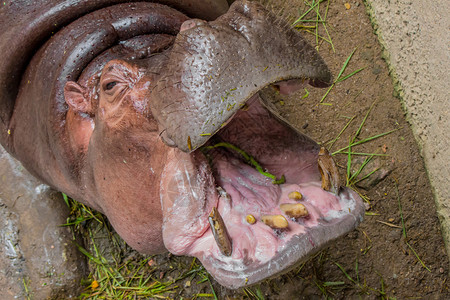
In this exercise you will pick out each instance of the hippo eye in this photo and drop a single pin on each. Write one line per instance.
(110, 85)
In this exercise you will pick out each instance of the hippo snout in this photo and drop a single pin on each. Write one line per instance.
(216, 67)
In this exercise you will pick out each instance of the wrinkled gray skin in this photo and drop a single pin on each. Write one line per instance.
(106, 103)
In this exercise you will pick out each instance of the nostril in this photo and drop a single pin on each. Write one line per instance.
(191, 24)
(166, 139)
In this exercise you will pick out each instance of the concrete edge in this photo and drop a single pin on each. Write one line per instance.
(437, 178)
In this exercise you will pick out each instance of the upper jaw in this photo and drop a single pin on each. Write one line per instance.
(214, 68)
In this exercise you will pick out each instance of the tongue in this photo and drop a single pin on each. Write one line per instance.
(247, 192)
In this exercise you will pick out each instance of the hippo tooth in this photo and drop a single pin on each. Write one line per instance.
(220, 232)
(189, 143)
(295, 195)
(275, 221)
(250, 219)
(329, 171)
(294, 210)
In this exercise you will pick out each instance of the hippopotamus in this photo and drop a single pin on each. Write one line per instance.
(151, 113)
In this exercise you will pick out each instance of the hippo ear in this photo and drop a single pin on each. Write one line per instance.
(77, 98)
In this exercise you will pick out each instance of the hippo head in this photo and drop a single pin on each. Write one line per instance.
(182, 153)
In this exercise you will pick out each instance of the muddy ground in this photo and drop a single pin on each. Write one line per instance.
(375, 261)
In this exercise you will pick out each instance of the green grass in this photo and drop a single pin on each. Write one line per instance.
(248, 159)
(340, 76)
(113, 277)
(362, 141)
(80, 214)
(139, 278)
(314, 22)
(26, 289)
(354, 174)
(361, 286)
(254, 293)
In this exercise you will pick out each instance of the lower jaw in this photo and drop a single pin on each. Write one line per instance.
(296, 248)
(258, 251)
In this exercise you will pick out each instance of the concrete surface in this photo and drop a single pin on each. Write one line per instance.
(38, 259)
(416, 41)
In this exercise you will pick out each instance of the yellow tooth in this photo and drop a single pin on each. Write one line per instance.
(294, 210)
(220, 232)
(295, 195)
(250, 219)
(275, 221)
(189, 144)
(329, 171)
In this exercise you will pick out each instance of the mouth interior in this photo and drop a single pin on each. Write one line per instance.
(237, 189)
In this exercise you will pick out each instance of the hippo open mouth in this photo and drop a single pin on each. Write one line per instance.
(100, 102)
(244, 191)
(256, 199)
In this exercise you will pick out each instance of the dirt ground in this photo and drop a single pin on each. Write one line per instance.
(379, 260)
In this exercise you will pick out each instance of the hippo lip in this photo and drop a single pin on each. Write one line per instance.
(220, 178)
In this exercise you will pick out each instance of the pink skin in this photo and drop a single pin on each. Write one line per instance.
(125, 154)
(79, 125)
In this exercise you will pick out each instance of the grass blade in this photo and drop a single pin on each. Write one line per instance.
(333, 283)
(365, 162)
(340, 133)
(66, 199)
(345, 64)
(338, 78)
(349, 75)
(305, 13)
(367, 176)
(363, 122)
(365, 154)
(364, 141)
(326, 94)
(345, 273)
(349, 165)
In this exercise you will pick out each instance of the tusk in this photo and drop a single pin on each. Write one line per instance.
(275, 221)
(294, 210)
(220, 232)
(329, 172)
(295, 195)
